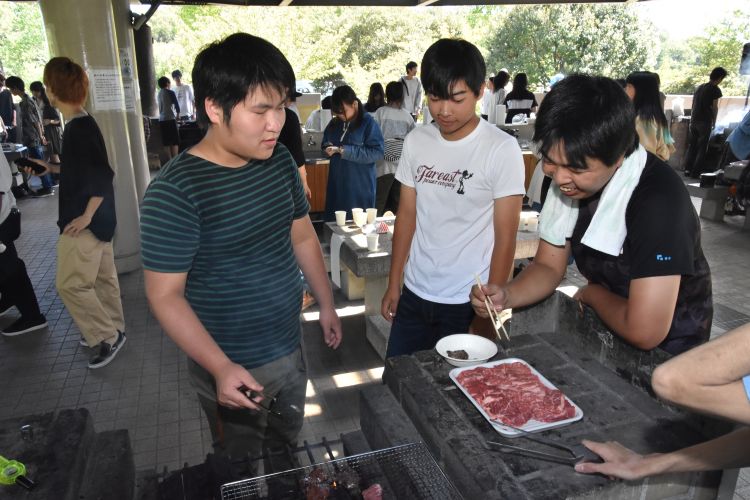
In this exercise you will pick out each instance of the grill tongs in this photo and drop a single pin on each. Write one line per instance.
(577, 453)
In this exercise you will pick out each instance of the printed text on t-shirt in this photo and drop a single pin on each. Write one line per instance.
(429, 175)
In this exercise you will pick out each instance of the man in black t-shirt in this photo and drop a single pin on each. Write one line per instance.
(702, 120)
(649, 282)
(7, 110)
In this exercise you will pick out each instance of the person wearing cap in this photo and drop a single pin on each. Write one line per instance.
(185, 97)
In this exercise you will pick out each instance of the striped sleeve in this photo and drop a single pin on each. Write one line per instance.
(301, 206)
(170, 229)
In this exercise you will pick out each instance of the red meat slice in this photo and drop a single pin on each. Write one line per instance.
(513, 394)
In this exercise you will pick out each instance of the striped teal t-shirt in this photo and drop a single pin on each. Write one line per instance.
(230, 230)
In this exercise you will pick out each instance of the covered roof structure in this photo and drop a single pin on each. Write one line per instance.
(372, 3)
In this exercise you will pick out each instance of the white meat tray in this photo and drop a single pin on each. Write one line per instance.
(530, 426)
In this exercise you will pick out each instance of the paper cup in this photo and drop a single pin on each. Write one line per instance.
(372, 213)
(532, 224)
(372, 241)
(357, 211)
(340, 217)
(360, 218)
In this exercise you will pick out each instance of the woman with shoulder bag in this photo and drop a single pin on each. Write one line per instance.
(395, 122)
(15, 286)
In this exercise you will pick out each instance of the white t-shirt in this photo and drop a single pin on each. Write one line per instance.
(185, 99)
(7, 200)
(456, 183)
(412, 94)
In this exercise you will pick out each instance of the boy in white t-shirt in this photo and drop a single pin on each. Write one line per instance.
(462, 185)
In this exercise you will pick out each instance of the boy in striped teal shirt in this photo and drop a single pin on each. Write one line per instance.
(225, 232)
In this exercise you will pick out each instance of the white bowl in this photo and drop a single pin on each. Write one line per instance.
(478, 348)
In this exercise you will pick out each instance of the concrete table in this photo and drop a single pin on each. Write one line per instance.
(375, 266)
(607, 378)
(714, 199)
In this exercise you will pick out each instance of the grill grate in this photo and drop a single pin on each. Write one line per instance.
(404, 472)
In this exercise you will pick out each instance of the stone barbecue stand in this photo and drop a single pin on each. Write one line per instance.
(607, 378)
(68, 460)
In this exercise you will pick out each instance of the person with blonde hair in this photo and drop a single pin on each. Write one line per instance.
(86, 275)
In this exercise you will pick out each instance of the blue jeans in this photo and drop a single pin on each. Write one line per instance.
(38, 153)
(419, 323)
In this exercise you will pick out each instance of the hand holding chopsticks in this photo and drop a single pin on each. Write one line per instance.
(497, 323)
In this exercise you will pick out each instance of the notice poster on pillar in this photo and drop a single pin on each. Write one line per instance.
(128, 81)
(106, 87)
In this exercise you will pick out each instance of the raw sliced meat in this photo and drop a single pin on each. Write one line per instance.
(513, 394)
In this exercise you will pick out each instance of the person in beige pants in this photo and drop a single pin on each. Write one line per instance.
(86, 275)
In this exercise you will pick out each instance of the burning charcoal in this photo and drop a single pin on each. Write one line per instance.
(460, 354)
(347, 477)
(317, 485)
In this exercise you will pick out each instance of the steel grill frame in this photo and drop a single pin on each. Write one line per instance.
(404, 472)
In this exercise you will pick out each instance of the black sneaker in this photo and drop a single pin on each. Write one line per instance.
(42, 193)
(23, 325)
(83, 342)
(107, 352)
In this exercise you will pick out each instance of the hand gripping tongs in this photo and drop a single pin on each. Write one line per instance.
(577, 453)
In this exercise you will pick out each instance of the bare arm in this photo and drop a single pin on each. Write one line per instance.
(535, 283)
(82, 221)
(644, 318)
(403, 233)
(505, 222)
(166, 295)
(310, 259)
(708, 378)
(725, 452)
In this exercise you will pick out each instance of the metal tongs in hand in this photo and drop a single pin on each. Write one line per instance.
(251, 395)
(497, 323)
(577, 453)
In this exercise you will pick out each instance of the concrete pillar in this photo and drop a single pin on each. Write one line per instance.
(133, 113)
(144, 56)
(84, 30)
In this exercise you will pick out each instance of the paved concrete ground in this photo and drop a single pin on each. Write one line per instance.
(146, 390)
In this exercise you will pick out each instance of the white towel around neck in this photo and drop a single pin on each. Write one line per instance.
(606, 232)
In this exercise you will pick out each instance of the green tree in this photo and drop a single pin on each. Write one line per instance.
(544, 40)
(23, 44)
(691, 64)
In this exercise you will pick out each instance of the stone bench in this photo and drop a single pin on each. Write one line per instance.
(713, 198)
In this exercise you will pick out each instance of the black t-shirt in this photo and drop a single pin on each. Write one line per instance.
(291, 137)
(663, 239)
(84, 173)
(518, 102)
(6, 107)
(703, 100)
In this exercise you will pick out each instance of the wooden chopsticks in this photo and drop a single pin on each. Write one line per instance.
(497, 323)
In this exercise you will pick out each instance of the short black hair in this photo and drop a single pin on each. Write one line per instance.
(227, 70)
(448, 61)
(592, 116)
(326, 103)
(394, 92)
(14, 82)
(718, 73)
(177, 74)
(410, 65)
(501, 79)
(162, 82)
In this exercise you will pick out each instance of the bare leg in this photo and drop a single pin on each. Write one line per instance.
(708, 378)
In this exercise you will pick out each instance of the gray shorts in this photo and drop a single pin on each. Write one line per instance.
(239, 433)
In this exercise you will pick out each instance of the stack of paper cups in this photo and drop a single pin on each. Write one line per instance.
(491, 116)
(500, 114)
